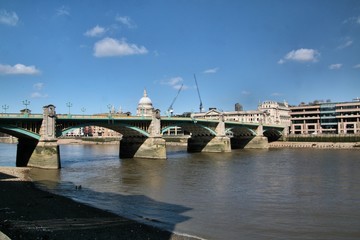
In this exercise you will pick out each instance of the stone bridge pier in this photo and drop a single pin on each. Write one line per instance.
(257, 141)
(152, 146)
(218, 143)
(45, 152)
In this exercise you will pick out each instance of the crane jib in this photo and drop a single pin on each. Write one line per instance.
(197, 87)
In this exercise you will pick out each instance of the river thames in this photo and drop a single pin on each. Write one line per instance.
(245, 194)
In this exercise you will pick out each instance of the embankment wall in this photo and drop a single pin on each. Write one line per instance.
(321, 145)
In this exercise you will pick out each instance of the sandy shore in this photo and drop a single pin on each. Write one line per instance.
(27, 212)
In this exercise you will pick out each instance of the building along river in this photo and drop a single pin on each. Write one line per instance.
(245, 194)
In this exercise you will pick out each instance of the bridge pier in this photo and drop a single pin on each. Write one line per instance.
(46, 153)
(142, 147)
(257, 141)
(209, 144)
(25, 148)
(152, 146)
(249, 142)
(218, 143)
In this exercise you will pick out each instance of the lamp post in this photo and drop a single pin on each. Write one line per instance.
(109, 106)
(83, 110)
(26, 103)
(5, 107)
(69, 105)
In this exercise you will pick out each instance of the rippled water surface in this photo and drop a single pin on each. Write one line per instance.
(246, 194)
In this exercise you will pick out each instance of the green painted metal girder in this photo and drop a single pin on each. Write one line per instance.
(65, 131)
(20, 132)
(229, 130)
(212, 132)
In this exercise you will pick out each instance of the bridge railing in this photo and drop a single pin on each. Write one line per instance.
(80, 116)
(20, 115)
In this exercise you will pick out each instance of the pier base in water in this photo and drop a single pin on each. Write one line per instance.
(209, 144)
(141, 147)
(257, 142)
(46, 155)
(25, 148)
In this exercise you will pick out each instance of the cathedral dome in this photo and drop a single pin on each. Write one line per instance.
(145, 100)
(145, 106)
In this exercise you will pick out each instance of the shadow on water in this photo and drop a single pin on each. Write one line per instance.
(135, 207)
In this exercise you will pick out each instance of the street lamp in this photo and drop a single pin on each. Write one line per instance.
(83, 111)
(69, 105)
(5, 107)
(109, 106)
(26, 103)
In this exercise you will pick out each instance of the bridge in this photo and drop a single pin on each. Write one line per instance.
(142, 137)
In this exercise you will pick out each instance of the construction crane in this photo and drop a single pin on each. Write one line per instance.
(197, 87)
(170, 109)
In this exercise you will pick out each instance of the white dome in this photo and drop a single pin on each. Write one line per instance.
(145, 107)
(145, 100)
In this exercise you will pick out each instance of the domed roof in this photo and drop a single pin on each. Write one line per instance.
(145, 107)
(145, 100)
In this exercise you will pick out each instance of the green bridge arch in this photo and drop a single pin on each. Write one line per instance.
(19, 132)
(118, 127)
(200, 129)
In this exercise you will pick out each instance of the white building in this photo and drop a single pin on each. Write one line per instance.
(268, 112)
(145, 107)
(275, 112)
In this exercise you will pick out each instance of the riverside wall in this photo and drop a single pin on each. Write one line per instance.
(319, 145)
(8, 140)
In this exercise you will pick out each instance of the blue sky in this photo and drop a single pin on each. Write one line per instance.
(96, 53)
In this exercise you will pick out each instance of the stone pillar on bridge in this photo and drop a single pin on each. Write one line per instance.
(152, 147)
(46, 153)
(218, 143)
(285, 133)
(259, 141)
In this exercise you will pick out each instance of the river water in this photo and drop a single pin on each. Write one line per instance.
(245, 194)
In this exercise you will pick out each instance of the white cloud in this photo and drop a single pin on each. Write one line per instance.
(110, 47)
(211, 70)
(38, 86)
(95, 31)
(357, 66)
(352, 20)
(156, 53)
(346, 42)
(335, 66)
(63, 11)
(275, 94)
(174, 82)
(8, 18)
(125, 20)
(38, 95)
(18, 69)
(301, 55)
(245, 92)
